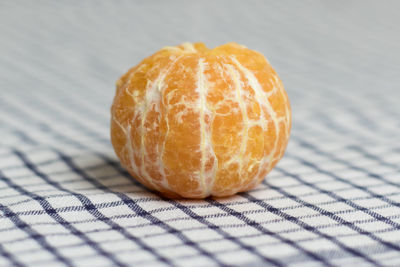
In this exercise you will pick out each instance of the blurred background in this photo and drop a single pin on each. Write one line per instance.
(339, 60)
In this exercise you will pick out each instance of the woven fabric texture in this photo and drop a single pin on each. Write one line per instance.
(333, 200)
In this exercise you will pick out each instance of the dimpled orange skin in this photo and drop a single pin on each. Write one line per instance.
(195, 122)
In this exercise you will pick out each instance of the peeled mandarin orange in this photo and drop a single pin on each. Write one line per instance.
(195, 122)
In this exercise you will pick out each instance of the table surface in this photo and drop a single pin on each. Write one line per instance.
(334, 199)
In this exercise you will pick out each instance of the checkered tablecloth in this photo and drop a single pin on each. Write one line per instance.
(334, 199)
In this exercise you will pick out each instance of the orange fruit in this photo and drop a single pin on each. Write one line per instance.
(194, 122)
